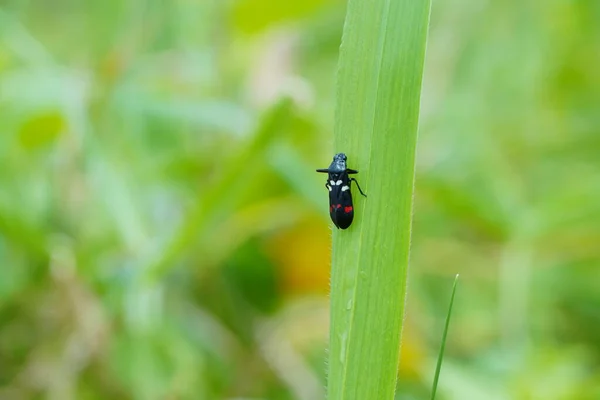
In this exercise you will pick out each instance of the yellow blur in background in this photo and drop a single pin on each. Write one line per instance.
(163, 234)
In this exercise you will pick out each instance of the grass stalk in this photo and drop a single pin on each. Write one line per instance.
(378, 94)
(438, 366)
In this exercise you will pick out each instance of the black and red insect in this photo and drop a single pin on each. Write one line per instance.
(338, 182)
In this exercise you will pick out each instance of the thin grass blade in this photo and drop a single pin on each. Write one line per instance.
(377, 110)
(438, 367)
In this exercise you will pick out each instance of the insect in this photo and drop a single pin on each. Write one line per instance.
(338, 182)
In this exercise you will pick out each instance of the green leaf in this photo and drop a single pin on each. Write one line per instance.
(221, 198)
(41, 129)
(252, 16)
(438, 367)
(378, 94)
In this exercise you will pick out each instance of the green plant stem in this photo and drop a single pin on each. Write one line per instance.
(378, 95)
(438, 367)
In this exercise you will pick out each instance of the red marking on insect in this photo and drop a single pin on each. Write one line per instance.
(338, 206)
(348, 209)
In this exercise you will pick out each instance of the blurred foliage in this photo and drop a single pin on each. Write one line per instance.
(163, 234)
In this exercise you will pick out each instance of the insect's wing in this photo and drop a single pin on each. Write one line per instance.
(341, 203)
(335, 197)
(345, 211)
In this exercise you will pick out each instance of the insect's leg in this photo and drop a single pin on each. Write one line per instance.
(327, 185)
(358, 186)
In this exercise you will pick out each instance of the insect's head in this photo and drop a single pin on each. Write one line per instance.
(338, 163)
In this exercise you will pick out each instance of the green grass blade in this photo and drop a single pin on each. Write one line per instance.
(378, 94)
(438, 367)
(216, 202)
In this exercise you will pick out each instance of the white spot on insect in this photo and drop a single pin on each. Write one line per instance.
(344, 188)
(332, 183)
(338, 183)
(330, 189)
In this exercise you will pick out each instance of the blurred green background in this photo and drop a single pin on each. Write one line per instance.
(163, 234)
